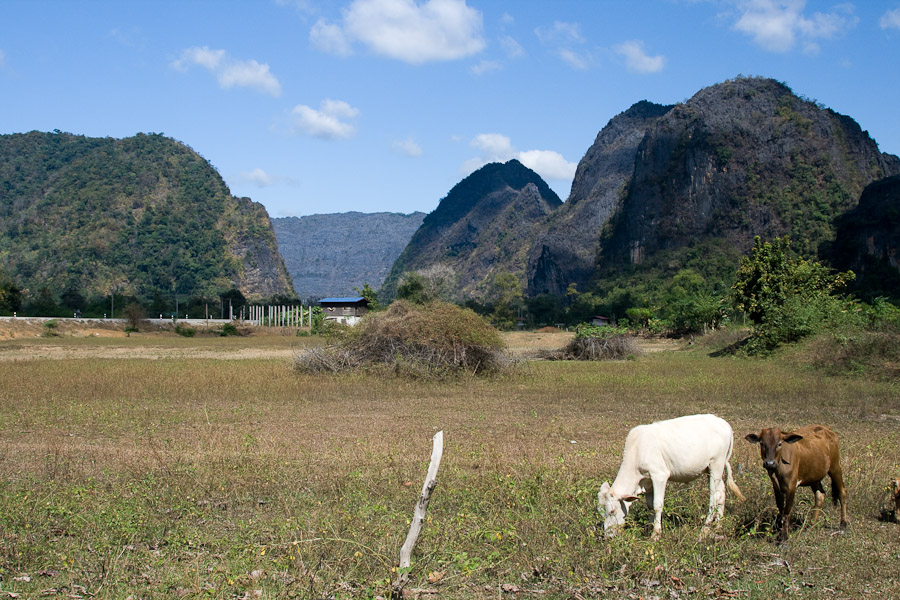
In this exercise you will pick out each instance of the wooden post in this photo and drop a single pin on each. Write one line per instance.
(418, 516)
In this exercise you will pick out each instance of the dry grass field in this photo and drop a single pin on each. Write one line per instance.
(155, 467)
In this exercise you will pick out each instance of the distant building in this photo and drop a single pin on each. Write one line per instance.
(600, 321)
(344, 310)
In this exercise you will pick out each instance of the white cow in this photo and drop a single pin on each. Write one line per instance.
(678, 450)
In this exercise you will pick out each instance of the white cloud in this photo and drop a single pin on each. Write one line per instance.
(511, 47)
(405, 30)
(260, 178)
(204, 57)
(407, 147)
(496, 147)
(548, 164)
(565, 41)
(330, 39)
(560, 33)
(779, 25)
(576, 60)
(230, 72)
(329, 122)
(485, 66)
(636, 59)
(890, 19)
(252, 74)
(131, 38)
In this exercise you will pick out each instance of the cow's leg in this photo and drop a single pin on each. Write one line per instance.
(838, 491)
(786, 513)
(659, 496)
(648, 497)
(819, 493)
(716, 494)
(779, 502)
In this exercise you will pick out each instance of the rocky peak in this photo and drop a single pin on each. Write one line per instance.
(481, 228)
(565, 252)
(742, 158)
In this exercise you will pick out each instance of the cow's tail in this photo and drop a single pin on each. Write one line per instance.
(729, 481)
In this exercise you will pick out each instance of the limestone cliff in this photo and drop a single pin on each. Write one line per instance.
(483, 227)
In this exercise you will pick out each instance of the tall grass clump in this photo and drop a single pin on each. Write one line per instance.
(597, 343)
(435, 340)
(868, 342)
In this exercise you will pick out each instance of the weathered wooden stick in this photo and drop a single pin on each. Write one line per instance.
(419, 515)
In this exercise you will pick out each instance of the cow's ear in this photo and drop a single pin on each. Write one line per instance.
(752, 438)
(604, 488)
(793, 438)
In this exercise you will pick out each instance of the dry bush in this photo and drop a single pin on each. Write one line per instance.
(615, 347)
(874, 353)
(435, 340)
(548, 329)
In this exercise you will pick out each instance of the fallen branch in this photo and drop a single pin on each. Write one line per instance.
(418, 516)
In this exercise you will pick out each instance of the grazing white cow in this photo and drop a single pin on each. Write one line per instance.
(675, 450)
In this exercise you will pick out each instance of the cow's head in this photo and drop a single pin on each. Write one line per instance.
(770, 443)
(612, 509)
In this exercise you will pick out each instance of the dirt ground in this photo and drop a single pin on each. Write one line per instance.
(27, 339)
(24, 327)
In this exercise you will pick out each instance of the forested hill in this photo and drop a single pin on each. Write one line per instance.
(144, 215)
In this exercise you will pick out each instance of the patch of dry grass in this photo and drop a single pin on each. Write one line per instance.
(217, 479)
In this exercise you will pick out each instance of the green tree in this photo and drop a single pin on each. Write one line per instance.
(691, 305)
(369, 294)
(10, 295)
(412, 288)
(72, 299)
(506, 292)
(786, 297)
(639, 316)
(45, 304)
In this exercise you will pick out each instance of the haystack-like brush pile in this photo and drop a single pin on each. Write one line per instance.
(433, 341)
(613, 347)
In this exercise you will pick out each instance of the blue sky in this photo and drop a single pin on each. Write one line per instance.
(383, 105)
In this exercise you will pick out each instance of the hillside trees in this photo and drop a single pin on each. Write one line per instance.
(77, 212)
(786, 297)
(10, 295)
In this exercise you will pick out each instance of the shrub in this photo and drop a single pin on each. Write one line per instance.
(50, 328)
(873, 353)
(787, 298)
(431, 341)
(185, 330)
(229, 329)
(597, 343)
(135, 316)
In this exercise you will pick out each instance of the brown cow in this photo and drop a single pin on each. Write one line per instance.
(801, 457)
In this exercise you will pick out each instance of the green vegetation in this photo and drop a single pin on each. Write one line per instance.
(371, 295)
(164, 478)
(185, 330)
(132, 218)
(787, 298)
